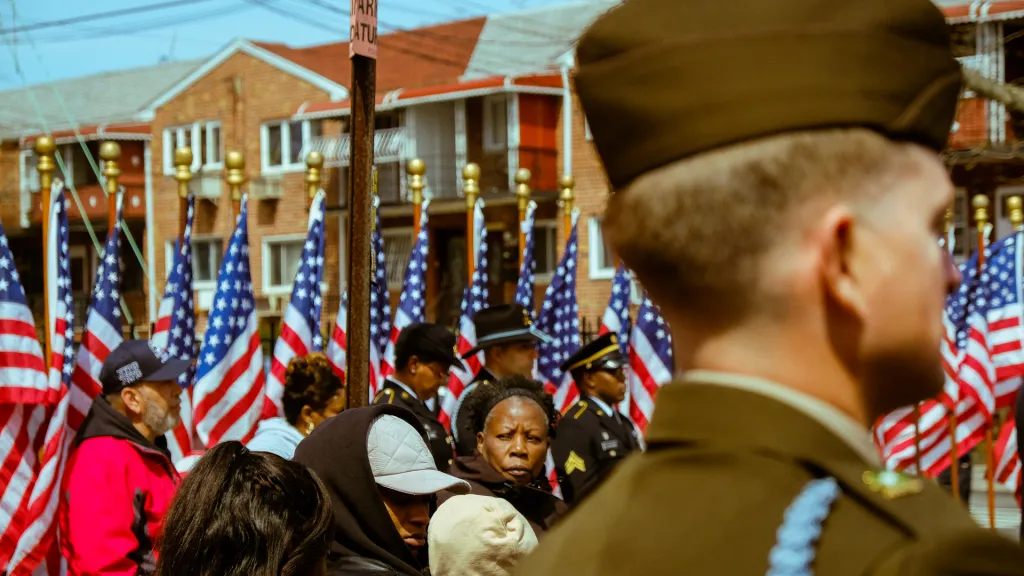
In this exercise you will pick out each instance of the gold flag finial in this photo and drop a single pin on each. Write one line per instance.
(314, 174)
(416, 169)
(980, 204)
(567, 197)
(471, 184)
(235, 163)
(522, 179)
(183, 169)
(45, 148)
(1015, 206)
(110, 153)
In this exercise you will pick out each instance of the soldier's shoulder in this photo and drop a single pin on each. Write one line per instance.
(582, 410)
(385, 396)
(856, 524)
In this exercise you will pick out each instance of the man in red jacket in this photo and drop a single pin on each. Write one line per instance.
(119, 480)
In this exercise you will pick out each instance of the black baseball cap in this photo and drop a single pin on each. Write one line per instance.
(135, 361)
(429, 343)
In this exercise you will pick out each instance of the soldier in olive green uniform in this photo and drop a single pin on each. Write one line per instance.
(779, 193)
(592, 436)
(424, 355)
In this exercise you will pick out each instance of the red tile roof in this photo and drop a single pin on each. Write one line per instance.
(1000, 9)
(405, 59)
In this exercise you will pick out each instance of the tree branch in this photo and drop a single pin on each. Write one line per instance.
(1010, 96)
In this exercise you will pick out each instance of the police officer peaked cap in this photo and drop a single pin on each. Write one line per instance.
(662, 80)
(602, 353)
(429, 343)
(504, 324)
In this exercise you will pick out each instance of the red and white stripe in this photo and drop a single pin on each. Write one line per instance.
(459, 379)
(646, 375)
(296, 339)
(338, 343)
(21, 432)
(22, 368)
(180, 440)
(228, 399)
(1008, 466)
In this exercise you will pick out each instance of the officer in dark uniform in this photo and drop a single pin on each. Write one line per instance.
(508, 339)
(592, 436)
(778, 190)
(424, 355)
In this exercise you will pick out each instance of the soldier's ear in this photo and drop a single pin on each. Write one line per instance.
(132, 398)
(844, 258)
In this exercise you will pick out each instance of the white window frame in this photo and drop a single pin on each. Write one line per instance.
(586, 129)
(284, 289)
(286, 142)
(343, 251)
(201, 129)
(197, 285)
(405, 232)
(546, 277)
(492, 143)
(595, 239)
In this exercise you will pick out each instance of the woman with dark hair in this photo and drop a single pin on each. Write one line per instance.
(312, 394)
(244, 513)
(514, 420)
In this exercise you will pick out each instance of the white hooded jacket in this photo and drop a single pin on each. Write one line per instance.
(277, 436)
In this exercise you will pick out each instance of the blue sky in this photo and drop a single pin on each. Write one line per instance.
(189, 29)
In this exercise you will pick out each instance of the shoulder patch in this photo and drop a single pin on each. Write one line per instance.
(581, 408)
(892, 485)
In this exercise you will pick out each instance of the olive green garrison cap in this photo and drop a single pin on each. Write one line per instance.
(661, 80)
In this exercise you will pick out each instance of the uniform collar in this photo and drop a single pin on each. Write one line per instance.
(733, 408)
(602, 405)
(404, 387)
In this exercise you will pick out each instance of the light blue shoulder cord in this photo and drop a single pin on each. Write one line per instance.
(793, 553)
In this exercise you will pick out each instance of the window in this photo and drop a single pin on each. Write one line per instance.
(283, 142)
(545, 249)
(281, 257)
(602, 264)
(496, 123)
(963, 242)
(397, 251)
(204, 138)
(72, 166)
(206, 257)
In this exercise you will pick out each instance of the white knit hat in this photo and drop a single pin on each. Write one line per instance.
(400, 459)
(478, 536)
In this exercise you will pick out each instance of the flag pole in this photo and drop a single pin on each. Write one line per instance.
(314, 167)
(567, 197)
(45, 148)
(235, 176)
(980, 205)
(110, 153)
(416, 169)
(183, 174)
(471, 189)
(522, 179)
(954, 477)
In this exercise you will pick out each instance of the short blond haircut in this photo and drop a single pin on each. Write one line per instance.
(694, 232)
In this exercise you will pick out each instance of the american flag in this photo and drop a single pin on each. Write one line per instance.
(650, 362)
(1003, 270)
(560, 319)
(35, 530)
(474, 299)
(338, 343)
(103, 329)
(528, 267)
(380, 307)
(1008, 466)
(228, 393)
(175, 332)
(24, 394)
(22, 368)
(413, 302)
(300, 332)
(616, 319)
(616, 315)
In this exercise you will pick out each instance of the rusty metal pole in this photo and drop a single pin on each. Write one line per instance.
(363, 54)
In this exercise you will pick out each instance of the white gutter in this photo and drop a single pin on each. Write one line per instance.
(446, 97)
(150, 232)
(566, 123)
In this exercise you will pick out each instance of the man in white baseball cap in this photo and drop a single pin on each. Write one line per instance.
(382, 490)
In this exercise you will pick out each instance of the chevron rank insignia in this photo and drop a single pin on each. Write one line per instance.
(574, 463)
(891, 484)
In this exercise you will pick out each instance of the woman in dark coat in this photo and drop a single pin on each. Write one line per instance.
(514, 421)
